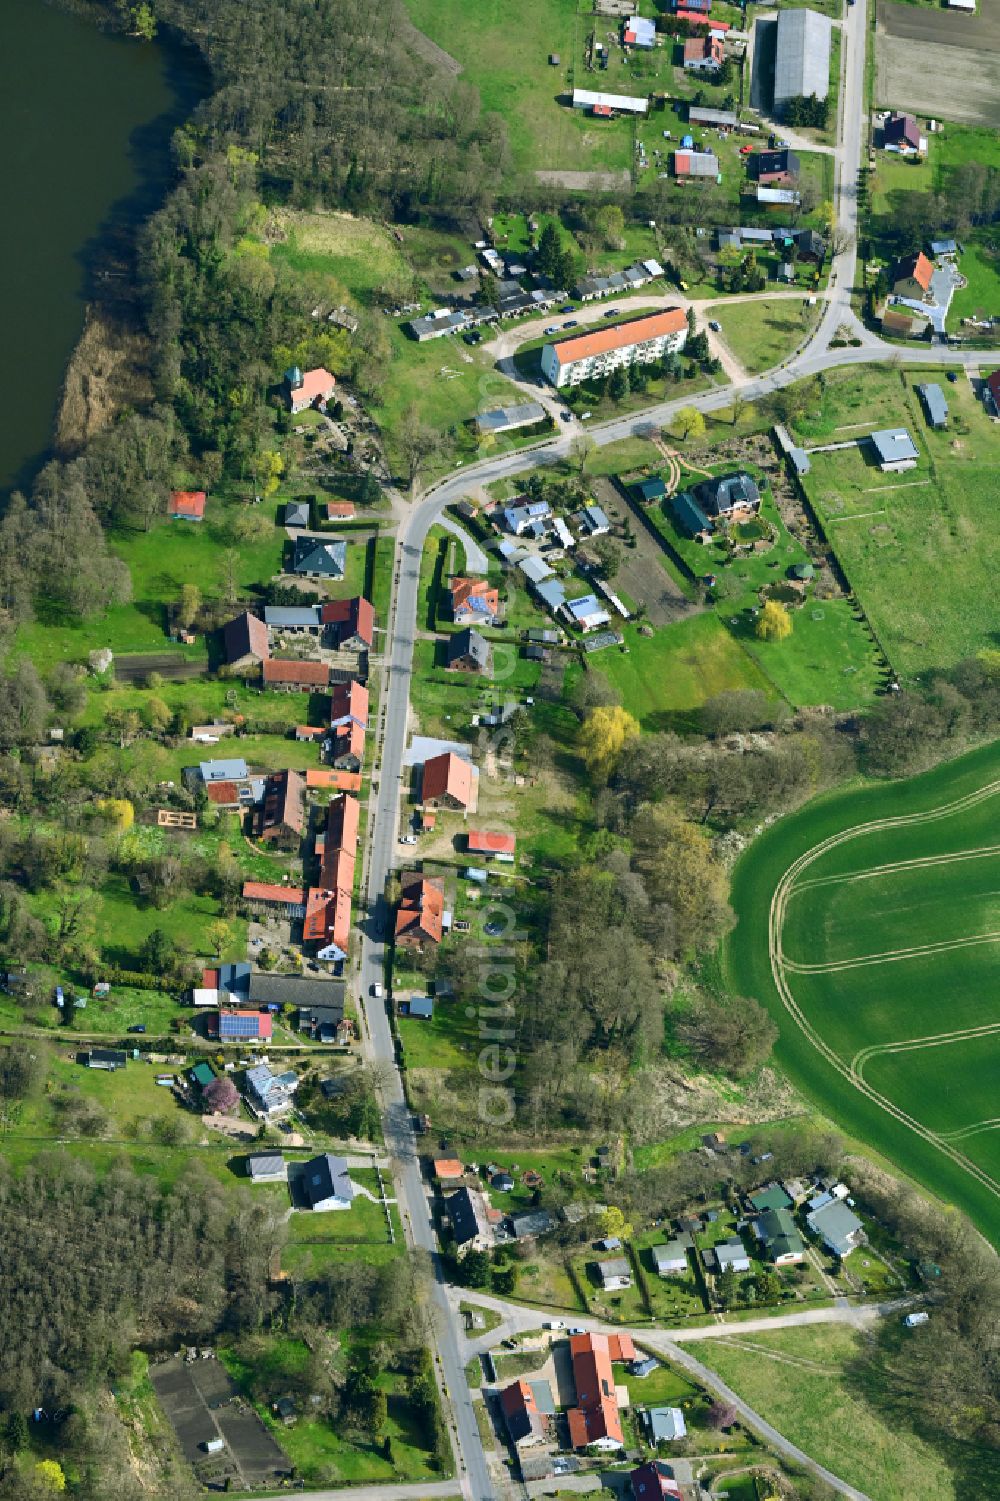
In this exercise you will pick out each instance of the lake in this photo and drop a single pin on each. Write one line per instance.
(86, 120)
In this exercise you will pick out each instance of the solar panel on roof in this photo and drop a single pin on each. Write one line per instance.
(239, 1026)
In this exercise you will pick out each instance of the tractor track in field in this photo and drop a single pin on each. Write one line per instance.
(780, 969)
(890, 956)
(922, 862)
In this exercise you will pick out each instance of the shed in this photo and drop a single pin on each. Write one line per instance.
(934, 404)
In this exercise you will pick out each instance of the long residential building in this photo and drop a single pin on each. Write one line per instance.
(638, 341)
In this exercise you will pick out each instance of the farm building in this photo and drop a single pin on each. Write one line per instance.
(245, 641)
(349, 623)
(721, 119)
(802, 57)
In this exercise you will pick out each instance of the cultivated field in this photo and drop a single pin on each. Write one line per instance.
(870, 924)
(938, 62)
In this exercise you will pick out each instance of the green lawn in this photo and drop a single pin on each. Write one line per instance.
(839, 1042)
(665, 678)
(765, 332)
(918, 547)
(798, 1380)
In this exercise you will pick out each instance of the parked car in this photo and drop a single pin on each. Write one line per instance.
(407, 838)
(139, 1027)
(553, 328)
(952, 376)
(377, 991)
(745, 150)
(714, 326)
(571, 323)
(554, 1324)
(569, 308)
(612, 312)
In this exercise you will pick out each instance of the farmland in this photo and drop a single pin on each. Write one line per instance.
(859, 1000)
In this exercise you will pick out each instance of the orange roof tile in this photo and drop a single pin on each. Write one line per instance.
(267, 891)
(448, 1167)
(485, 842)
(188, 504)
(447, 775)
(620, 335)
(349, 701)
(320, 777)
(315, 383)
(309, 674)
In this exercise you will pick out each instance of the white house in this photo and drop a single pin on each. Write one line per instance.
(598, 352)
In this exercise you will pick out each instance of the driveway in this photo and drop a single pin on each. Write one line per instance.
(476, 560)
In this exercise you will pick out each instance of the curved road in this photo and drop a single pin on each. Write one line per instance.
(475, 1479)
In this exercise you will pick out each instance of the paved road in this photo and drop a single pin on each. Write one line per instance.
(437, 1490)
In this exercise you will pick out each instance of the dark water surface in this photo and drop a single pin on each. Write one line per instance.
(85, 126)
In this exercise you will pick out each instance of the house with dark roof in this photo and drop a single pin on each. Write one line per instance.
(911, 276)
(654, 1482)
(267, 1167)
(466, 1211)
(321, 1022)
(730, 497)
(280, 817)
(468, 652)
(347, 749)
(901, 132)
(779, 169)
(650, 489)
(777, 1233)
(244, 641)
(772, 1196)
(934, 404)
(315, 559)
(294, 990)
(811, 246)
(614, 1273)
(109, 1059)
(327, 1183)
(349, 623)
(531, 1222)
(690, 518)
(839, 1229)
(296, 513)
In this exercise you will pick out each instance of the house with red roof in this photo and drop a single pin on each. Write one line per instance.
(349, 702)
(911, 277)
(294, 676)
(472, 600)
(448, 781)
(595, 1421)
(308, 388)
(268, 896)
(704, 54)
(420, 915)
(323, 778)
(654, 1482)
(490, 845)
(280, 815)
(350, 623)
(245, 641)
(187, 505)
(340, 510)
(526, 1425)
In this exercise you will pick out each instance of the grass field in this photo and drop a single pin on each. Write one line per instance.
(763, 333)
(858, 916)
(798, 1380)
(921, 547)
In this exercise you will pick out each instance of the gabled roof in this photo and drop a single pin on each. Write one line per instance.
(655, 1481)
(474, 595)
(596, 1413)
(520, 1410)
(313, 555)
(313, 383)
(918, 267)
(327, 1177)
(244, 637)
(469, 643)
(352, 617)
(306, 674)
(447, 775)
(766, 163)
(296, 990)
(485, 842)
(620, 335)
(266, 891)
(902, 130)
(322, 777)
(349, 740)
(448, 1167)
(465, 1211)
(282, 803)
(189, 505)
(421, 909)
